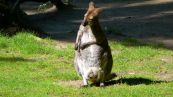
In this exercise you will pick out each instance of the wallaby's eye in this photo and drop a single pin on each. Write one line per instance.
(91, 17)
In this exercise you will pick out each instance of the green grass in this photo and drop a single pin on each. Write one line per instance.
(33, 67)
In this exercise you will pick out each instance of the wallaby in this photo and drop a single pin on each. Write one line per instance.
(93, 58)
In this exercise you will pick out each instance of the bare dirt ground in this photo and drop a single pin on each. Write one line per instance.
(147, 20)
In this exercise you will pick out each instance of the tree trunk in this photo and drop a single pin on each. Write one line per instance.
(11, 16)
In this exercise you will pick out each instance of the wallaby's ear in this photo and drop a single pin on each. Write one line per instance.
(97, 11)
(91, 5)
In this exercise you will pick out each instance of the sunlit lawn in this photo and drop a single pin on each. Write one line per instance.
(34, 67)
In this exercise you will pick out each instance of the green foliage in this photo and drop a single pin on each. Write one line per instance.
(45, 6)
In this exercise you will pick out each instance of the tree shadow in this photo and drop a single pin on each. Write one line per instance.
(148, 22)
(59, 25)
(140, 22)
(134, 81)
(15, 59)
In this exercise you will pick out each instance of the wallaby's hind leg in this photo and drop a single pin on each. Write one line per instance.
(102, 79)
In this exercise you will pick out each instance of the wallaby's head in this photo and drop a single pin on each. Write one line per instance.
(91, 14)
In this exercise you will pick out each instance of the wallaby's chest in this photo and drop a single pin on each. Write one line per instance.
(87, 36)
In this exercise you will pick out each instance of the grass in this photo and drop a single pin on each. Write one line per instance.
(33, 67)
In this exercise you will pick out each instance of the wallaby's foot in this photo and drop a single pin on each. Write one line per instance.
(85, 82)
(98, 84)
(102, 84)
(84, 86)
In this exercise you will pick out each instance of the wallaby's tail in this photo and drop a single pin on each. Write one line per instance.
(111, 76)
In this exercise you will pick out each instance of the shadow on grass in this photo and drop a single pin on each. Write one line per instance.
(15, 59)
(133, 81)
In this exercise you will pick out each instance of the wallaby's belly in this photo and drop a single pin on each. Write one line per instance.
(92, 55)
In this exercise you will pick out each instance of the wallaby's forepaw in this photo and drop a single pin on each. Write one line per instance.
(82, 46)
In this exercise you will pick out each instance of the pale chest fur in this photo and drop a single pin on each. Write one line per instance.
(87, 35)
